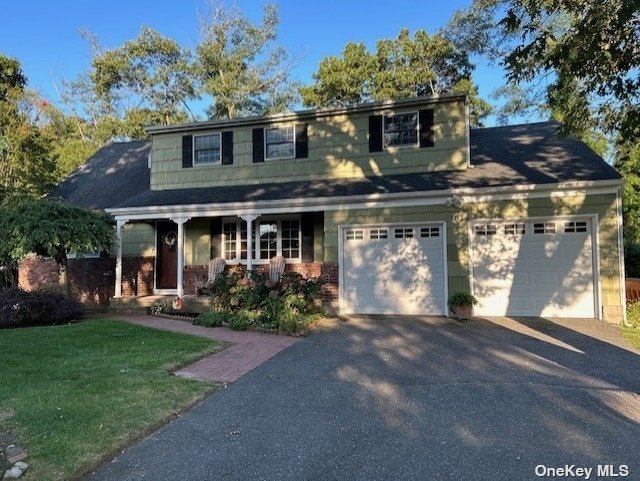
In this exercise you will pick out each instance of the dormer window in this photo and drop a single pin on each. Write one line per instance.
(206, 149)
(401, 130)
(280, 143)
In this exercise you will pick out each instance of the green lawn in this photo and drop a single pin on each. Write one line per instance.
(632, 334)
(72, 394)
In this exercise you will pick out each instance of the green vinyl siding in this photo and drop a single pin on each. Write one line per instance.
(197, 242)
(338, 148)
(138, 239)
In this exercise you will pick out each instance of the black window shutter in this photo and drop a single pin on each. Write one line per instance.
(187, 151)
(258, 145)
(302, 143)
(375, 133)
(227, 148)
(306, 228)
(216, 233)
(426, 128)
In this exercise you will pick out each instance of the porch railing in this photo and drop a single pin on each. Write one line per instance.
(632, 288)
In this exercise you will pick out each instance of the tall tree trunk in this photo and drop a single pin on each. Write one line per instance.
(63, 275)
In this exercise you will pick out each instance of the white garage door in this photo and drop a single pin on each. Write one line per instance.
(393, 270)
(533, 268)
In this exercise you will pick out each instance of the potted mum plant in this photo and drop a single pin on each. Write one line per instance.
(461, 304)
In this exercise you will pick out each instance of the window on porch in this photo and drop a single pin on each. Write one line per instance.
(273, 237)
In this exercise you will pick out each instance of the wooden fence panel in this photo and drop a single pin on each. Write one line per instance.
(632, 288)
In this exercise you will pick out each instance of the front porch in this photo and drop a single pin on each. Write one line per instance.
(163, 258)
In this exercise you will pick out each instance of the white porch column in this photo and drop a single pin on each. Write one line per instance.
(180, 253)
(119, 225)
(249, 218)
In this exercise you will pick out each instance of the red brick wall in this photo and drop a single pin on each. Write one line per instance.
(37, 272)
(194, 275)
(137, 276)
(92, 279)
(329, 274)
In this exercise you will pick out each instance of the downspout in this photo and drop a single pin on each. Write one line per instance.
(623, 297)
(467, 120)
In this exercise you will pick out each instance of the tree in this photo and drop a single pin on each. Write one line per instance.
(146, 80)
(55, 229)
(399, 68)
(593, 48)
(577, 60)
(239, 66)
(27, 164)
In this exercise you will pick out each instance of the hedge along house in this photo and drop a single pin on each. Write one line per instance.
(395, 204)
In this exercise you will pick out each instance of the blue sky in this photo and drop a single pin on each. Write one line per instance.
(44, 35)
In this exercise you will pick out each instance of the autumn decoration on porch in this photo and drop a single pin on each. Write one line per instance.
(178, 304)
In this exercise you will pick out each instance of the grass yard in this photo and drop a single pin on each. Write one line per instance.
(632, 334)
(72, 394)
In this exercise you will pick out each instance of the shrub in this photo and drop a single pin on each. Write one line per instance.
(632, 259)
(20, 308)
(633, 313)
(212, 319)
(241, 320)
(279, 305)
(461, 299)
(160, 307)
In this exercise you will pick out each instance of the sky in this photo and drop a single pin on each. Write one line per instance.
(44, 35)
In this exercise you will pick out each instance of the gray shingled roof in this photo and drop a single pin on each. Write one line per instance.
(111, 176)
(501, 156)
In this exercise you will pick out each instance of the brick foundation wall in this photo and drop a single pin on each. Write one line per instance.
(34, 273)
(92, 279)
(137, 276)
(194, 275)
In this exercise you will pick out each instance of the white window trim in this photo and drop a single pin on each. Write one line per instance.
(264, 136)
(217, 162)
(404, 146)
(256, 239)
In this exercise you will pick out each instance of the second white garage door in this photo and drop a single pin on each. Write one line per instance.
(533, 268)
(393, 269)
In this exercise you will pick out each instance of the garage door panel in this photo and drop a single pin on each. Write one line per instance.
(549, 274)
(393, 275)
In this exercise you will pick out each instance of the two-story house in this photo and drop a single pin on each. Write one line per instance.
(395, 204)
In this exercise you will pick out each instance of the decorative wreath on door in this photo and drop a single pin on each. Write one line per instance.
(170, 239)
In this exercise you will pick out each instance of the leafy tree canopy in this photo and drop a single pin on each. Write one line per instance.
(53, 228)
(27, 164)
(401, 67)
(240, 67)
(577, 60)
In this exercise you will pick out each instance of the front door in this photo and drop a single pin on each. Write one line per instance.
(167, 259)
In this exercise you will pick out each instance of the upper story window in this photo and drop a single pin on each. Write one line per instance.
(206, 149)
(280, 143)
(401, 130)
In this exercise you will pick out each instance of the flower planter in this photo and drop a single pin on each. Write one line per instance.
(463, 313)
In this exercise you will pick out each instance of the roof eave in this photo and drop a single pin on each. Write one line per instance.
(336, 202)
(304, 114)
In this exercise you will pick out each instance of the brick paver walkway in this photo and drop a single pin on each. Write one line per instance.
(249, 349)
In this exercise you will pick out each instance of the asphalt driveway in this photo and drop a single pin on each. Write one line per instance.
(407, 398)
